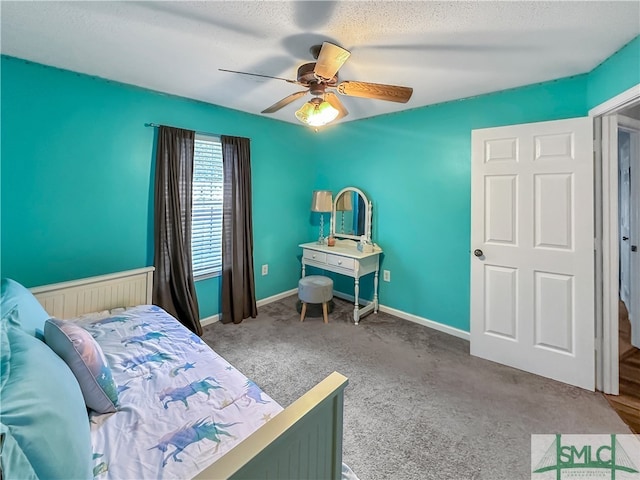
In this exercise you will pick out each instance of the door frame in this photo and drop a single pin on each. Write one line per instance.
(606, 236)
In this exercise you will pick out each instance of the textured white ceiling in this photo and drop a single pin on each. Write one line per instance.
(444, 50)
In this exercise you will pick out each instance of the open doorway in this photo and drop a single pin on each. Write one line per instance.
(629, 219)
(627, 403)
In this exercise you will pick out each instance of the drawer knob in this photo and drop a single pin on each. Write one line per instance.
(339, 262)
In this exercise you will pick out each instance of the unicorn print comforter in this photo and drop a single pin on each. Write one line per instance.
(181, 405)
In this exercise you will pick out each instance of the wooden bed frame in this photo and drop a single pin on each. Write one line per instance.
(302, 441)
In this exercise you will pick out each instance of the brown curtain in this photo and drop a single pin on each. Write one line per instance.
(173, 287)
(238, 286)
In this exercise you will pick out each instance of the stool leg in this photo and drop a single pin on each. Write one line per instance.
(303, 311)
(324, 312)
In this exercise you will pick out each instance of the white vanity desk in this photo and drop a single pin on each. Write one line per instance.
(345, 259)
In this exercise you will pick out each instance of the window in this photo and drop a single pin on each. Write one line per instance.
(206, 219)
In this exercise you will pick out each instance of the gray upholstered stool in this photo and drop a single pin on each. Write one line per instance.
(315, 289)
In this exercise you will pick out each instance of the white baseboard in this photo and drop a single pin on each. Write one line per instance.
(209, 320)
(456, 332)
(215, 318)
(277, 297)
(351, 298)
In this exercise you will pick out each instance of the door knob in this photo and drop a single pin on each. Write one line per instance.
(478, 253)
(625, 238)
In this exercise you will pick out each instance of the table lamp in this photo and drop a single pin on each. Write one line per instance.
(321, 202)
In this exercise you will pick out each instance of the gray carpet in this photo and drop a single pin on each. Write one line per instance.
(418, 406)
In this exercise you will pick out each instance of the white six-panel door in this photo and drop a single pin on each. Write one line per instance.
(532, 248)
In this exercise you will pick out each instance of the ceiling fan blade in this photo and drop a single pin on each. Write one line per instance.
(259, 75)
(391, 93)
(284, 102)
(335, 102)
(330, 59)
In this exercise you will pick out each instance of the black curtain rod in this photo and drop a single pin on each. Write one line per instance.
(155, 125)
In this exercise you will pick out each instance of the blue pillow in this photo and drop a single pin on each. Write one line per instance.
(42, 409)
(13, 462)
(19, 303)
(5, 353)
(84, 356)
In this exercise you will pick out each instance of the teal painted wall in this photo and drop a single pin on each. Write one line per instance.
(616, 74)
(416, 168)
(77, 169)
(74, 145)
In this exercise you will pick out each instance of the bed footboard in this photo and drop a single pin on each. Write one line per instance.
(302, 441)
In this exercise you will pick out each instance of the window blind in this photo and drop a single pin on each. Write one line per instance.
(206, 220)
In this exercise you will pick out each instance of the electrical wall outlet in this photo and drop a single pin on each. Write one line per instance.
(386, 275)
(265, 269)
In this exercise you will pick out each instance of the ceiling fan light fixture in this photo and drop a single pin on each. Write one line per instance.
(316, 77)
(317, 112)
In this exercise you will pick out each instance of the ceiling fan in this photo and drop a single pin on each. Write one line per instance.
(321, 77)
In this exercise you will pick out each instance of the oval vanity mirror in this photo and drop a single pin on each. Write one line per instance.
(351, 215)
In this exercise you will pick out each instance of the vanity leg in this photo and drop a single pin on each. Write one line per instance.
(303, 269)
(375, 292)
(356, 291)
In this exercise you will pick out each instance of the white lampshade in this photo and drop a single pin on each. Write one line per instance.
(322, 201)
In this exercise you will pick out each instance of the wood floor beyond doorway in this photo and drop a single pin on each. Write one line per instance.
(627, 404)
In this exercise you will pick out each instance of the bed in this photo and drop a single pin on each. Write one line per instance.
(179, 409)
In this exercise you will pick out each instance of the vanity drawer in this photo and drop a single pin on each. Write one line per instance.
(342, 262)
(320, 257)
